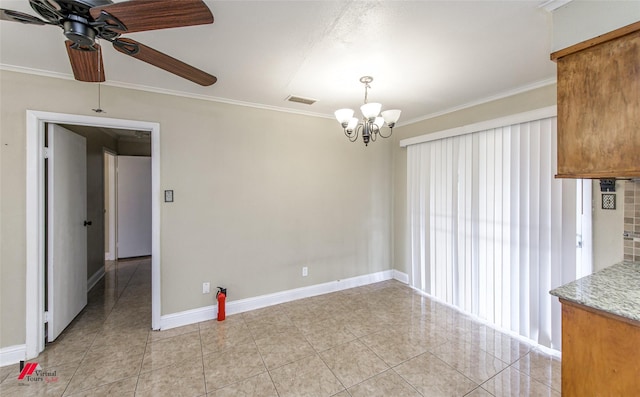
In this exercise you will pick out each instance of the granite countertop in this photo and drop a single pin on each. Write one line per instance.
(614, 290)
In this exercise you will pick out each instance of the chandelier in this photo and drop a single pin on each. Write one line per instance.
(372, 120)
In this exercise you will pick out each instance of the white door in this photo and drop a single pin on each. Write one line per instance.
(66, 228)
(134, 206)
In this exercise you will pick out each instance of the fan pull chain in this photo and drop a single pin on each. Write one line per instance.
(99, 109)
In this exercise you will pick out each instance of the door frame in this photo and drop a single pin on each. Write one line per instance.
(110, 203)
(35, 220)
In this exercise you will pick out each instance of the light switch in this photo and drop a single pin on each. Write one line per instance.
(168, 196)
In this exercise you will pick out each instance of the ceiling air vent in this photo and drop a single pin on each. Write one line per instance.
(306, 101)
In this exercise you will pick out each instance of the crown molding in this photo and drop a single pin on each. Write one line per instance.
(552, 5)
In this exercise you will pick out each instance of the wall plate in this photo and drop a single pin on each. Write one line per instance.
(608, 201)
(168, 196)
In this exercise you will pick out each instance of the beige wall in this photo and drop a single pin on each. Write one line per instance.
(581, 20)
(258, 195)
(608, 226)
(129, 148)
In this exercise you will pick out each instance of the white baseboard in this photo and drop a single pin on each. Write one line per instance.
(400, 276)
(243, 305)
(93, 280)
(12, 354)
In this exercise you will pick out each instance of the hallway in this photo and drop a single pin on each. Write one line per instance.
(383, 339)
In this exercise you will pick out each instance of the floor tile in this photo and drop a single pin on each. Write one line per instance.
(221, 337)
(185, 379)
(283, 348)
(170, 333)
(125, 387)
(480, 392)
(470, 360)
(433, 377)
(62, 353)
(232, 365)
(114, 352)
(501, 345)
(397, 346)
(353, 362)
(325, 335)
(9, 370)
(169, 351)
(365, 322)
(91, 374)
(541, 367)
(511, 382)
(257, 386)
(309, 377)
(48, 385)
(388, 383)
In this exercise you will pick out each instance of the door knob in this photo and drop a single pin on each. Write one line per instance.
(87, 223)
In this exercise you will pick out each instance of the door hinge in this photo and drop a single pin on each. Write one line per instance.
(45, 152)
(46, 317)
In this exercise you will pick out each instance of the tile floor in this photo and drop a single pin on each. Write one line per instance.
(382, 339)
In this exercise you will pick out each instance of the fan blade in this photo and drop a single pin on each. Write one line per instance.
(86, 64)
(143, 15)
(17, 16)
(156, 58)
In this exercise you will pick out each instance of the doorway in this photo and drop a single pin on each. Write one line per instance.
(35, 215)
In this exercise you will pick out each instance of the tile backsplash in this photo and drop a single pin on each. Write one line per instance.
(632, 221)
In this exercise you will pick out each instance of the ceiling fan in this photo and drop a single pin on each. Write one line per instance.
(84, 21)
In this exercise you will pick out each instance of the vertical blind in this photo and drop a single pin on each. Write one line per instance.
(486, 220)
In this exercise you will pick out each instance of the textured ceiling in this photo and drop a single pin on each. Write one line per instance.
(426, 57)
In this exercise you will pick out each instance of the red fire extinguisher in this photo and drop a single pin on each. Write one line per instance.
(221, 295)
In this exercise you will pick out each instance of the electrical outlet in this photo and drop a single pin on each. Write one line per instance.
(206, 288)
(305, 271)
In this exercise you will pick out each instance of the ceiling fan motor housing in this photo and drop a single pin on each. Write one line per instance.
(77, 30)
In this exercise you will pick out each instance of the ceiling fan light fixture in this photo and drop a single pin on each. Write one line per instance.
(372, 122)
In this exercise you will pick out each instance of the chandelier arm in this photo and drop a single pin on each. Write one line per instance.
(375, 131)
(386, 136)
(353, 135)
(359, 130)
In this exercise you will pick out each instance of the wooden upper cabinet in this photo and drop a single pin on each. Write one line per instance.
(599, 106)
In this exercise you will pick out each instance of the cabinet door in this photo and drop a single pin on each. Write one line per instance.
(599, 110)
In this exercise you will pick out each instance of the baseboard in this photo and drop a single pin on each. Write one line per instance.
(243, 305)
(95, 278)
(12, 354)
(400, 276)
